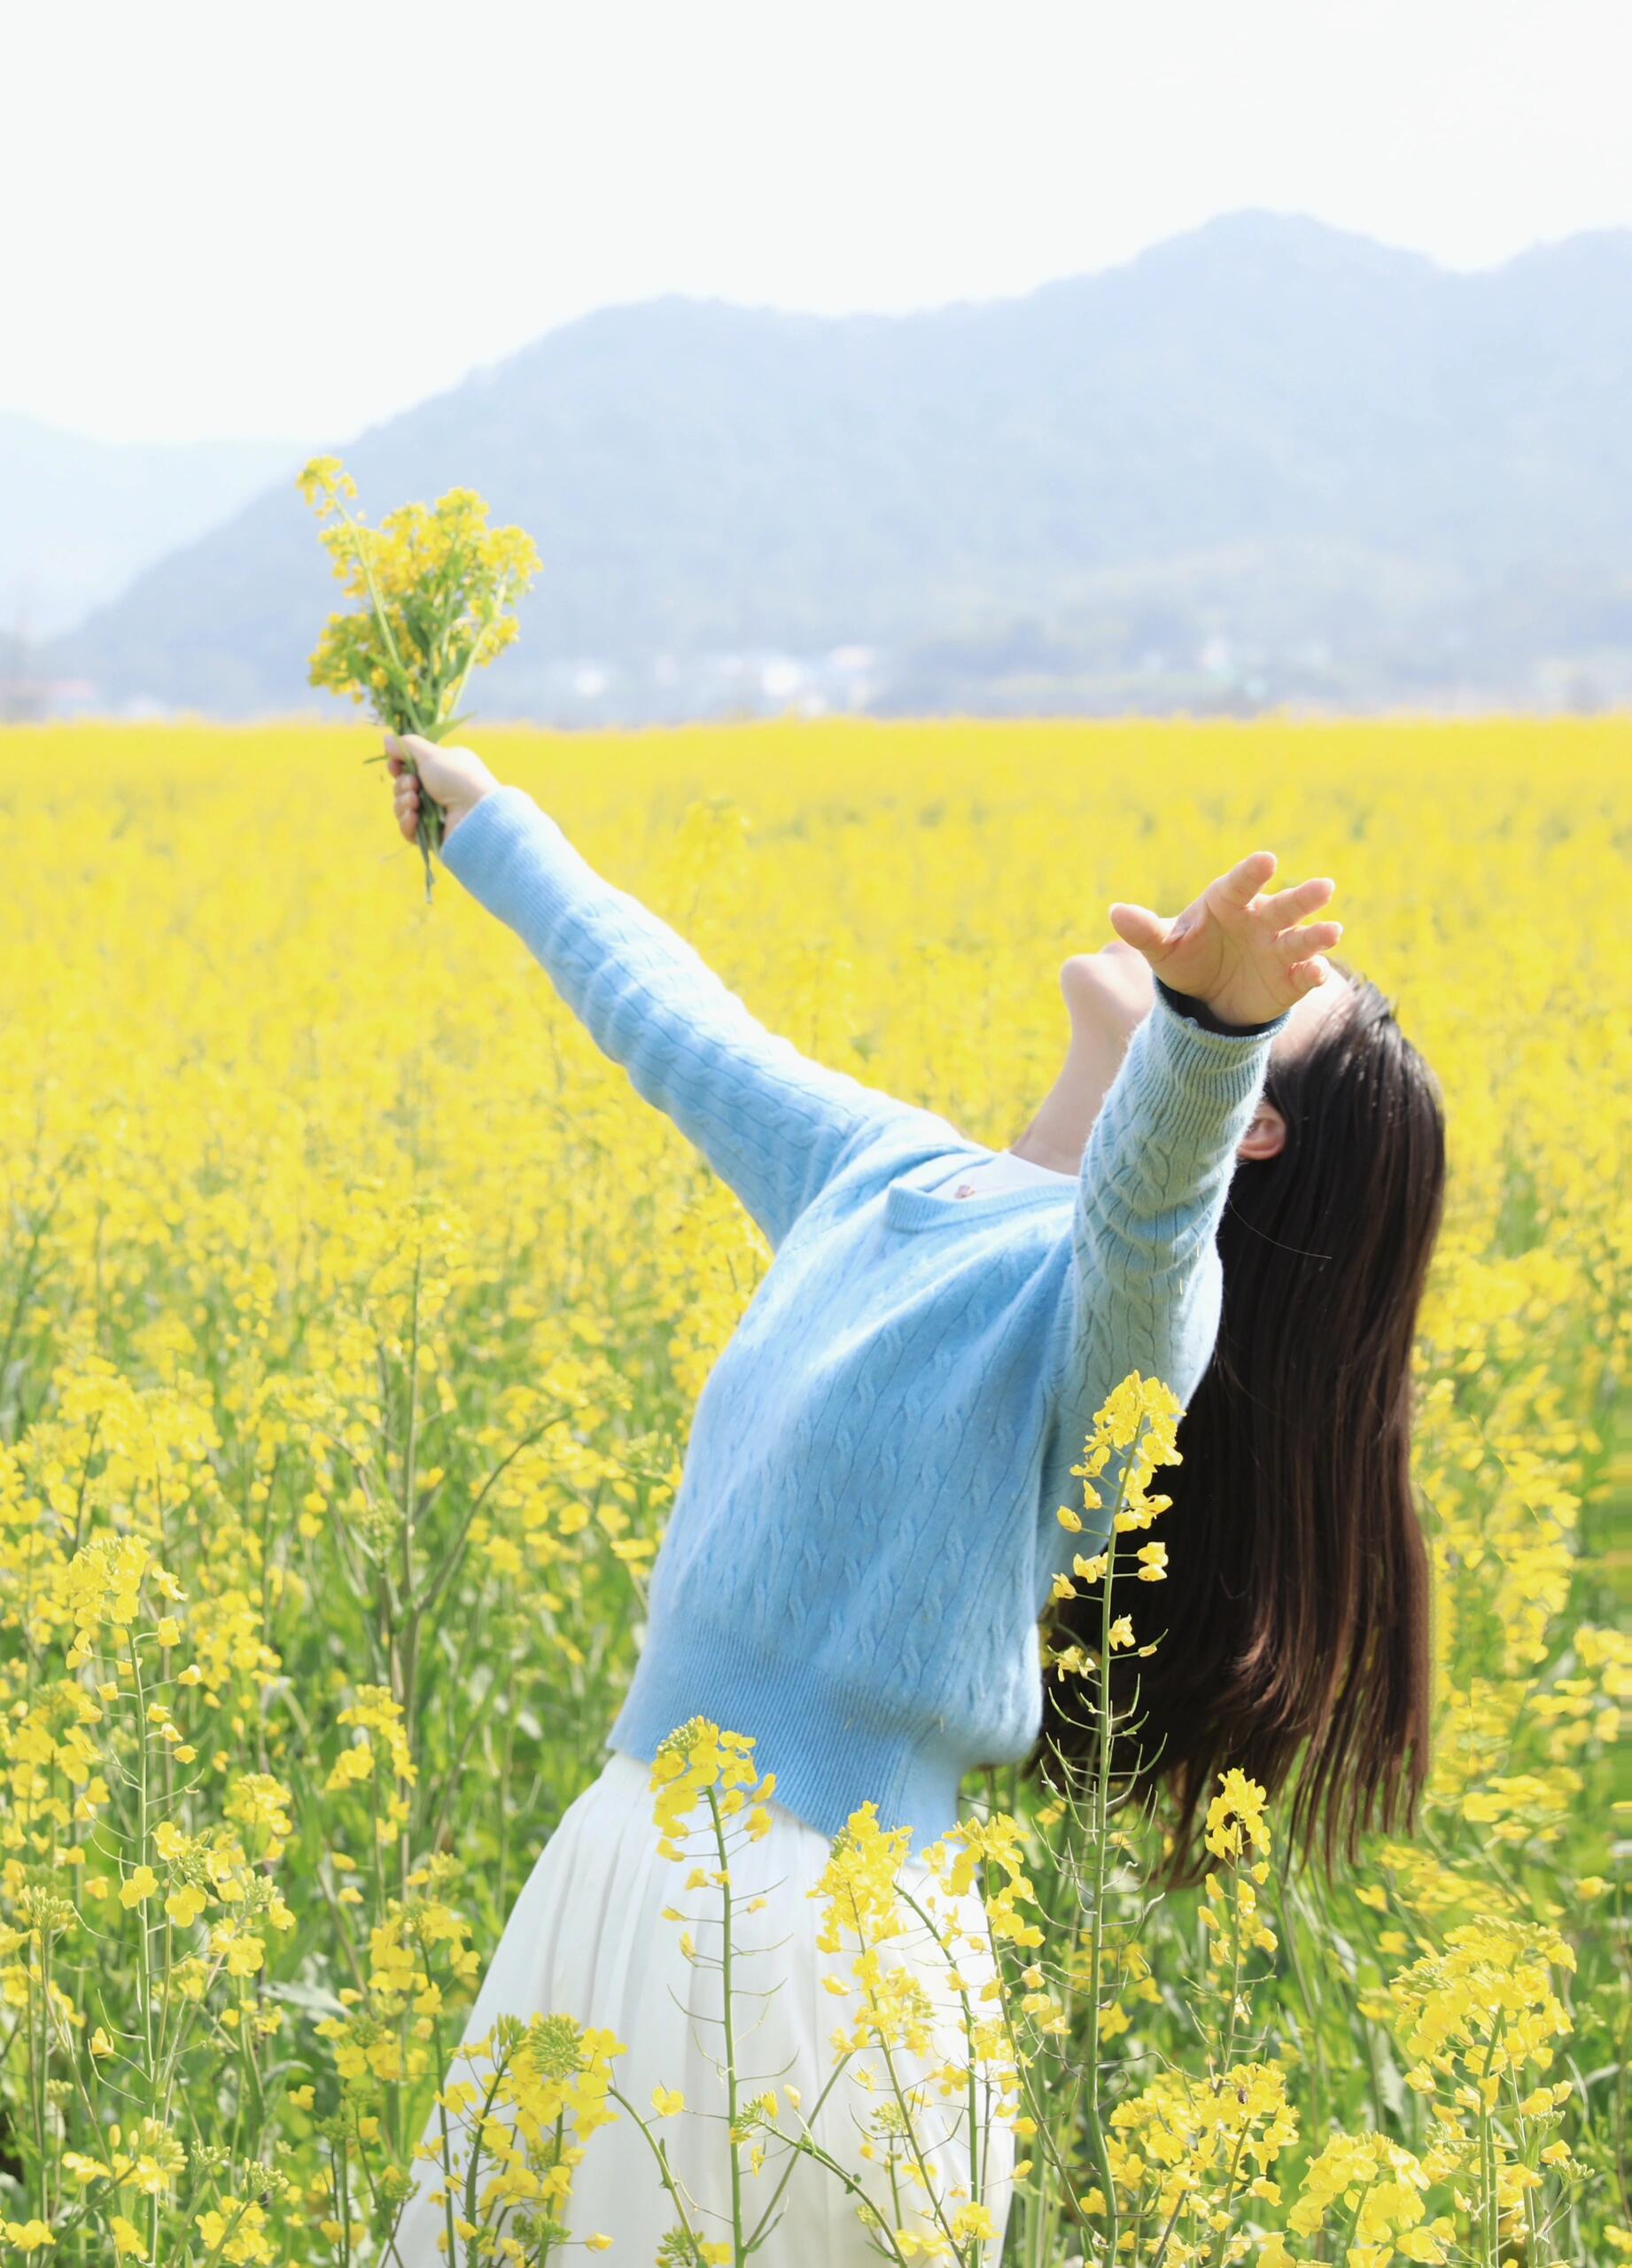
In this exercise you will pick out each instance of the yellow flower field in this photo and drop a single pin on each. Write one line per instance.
(352, 1310)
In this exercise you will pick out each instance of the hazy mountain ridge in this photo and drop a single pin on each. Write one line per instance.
(1264, 459)
(80, 519)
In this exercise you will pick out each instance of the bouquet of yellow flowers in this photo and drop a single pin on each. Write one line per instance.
(434, 591)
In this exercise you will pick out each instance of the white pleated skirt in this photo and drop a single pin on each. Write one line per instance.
(588, 1939)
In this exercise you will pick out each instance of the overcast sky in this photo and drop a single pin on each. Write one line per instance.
(293, 219)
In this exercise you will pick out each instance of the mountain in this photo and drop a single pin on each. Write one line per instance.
(80, 519)
(1264, 459)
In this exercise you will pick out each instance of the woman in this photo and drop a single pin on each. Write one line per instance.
(865, 1535)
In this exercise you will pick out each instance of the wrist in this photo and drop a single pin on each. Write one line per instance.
(1213, 1016)
(454, 813)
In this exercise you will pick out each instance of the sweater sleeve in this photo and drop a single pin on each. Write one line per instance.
(1146, 1283)
(774, 1123)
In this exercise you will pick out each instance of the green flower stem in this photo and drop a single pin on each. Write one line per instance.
(977, 2131)
(1161, 2253)
(665, 2172)
(1314, 2053)
(1092, 2105)
(446, 2159)
(500, 599)
(799, 2147)
(145, 1974)
(500, 2066)
(912, 2132)
(732, 2084)
(380, 615)
(842, 2174)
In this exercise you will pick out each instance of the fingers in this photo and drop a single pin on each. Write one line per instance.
(1137, 926)
(1308, 975)
(405, 795)
(399, 746)
(1245, 878)
(1286, 906)
(406, 799)
(1301, 941)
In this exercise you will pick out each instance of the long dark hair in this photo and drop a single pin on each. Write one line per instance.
(1296, 1603)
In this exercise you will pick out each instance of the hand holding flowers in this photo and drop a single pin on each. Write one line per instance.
(435, 590)
(450, 781)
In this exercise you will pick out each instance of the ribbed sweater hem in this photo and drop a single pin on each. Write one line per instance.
(829, 1752)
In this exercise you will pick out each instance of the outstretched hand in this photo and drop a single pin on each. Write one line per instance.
(1243, 954)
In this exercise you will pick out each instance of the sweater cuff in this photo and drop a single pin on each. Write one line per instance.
(1200, 1086)
(1185, 1004)
(512, 857)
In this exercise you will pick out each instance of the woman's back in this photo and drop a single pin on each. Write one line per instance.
(864, 1533)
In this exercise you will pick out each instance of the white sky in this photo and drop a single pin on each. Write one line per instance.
(293, 217)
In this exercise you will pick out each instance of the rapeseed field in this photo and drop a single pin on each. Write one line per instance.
(352, 1310)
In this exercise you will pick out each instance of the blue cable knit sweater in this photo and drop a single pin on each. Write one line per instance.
(864, 1533)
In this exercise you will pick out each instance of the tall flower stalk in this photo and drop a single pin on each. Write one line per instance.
(1064, 2004)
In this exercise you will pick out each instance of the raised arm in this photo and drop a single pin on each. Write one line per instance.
(1146, 1281)
(774, 1123)
(1155, 1175)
